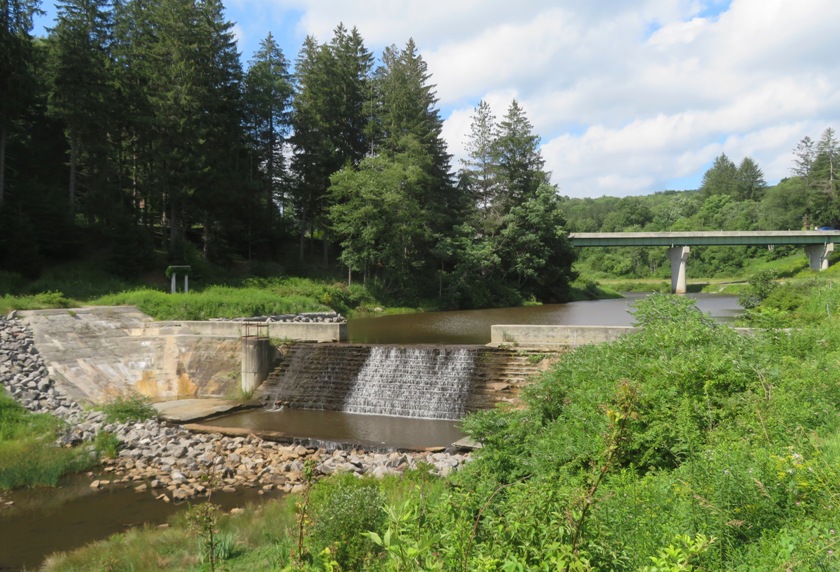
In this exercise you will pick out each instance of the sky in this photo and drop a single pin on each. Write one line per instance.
(628, 97)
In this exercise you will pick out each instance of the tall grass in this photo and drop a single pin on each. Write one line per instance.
(255, 297)
(28, 454)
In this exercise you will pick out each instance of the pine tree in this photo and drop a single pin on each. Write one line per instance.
(825, 166)
(721, 178)
(220, 192)
(82, 93)
(408, 119)
(135, 32)
(267, 96)
(329, 120)
(519, 163)
(16, 81)
(478, 170)
(750, 180)
(804, 158)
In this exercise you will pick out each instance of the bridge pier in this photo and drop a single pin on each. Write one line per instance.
(818, 255)
(678, 256)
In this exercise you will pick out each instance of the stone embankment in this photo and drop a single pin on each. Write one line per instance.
(176, 463)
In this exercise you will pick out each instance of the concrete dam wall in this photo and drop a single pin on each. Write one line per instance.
(422, 381)
(98, 352)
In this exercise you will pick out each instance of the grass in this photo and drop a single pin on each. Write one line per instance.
(279, 296)
(28, 454)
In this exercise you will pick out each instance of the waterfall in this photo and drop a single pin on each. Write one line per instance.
(413, 382)
(420, 381)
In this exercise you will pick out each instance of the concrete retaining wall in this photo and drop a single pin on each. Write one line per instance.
(97, 352)
(297, 331)
(537, 336)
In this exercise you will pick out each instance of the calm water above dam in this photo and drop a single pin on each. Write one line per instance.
(473, 326)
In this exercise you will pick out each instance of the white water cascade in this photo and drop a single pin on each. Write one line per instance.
(413, 382)
(420, 381)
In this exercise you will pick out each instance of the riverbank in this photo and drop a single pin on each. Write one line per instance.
(162, 456)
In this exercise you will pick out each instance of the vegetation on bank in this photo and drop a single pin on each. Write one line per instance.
(28, 453)
(684, 446)
(237, 298)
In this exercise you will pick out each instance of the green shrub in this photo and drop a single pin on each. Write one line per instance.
(38, 462)
(761, 285)
(342, 509)
(129, 408)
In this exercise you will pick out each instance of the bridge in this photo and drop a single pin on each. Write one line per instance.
(819, 244)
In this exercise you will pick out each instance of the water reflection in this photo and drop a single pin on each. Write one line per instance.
(473, 326)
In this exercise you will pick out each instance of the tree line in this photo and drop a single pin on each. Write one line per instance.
(731, 197)
(133, 127)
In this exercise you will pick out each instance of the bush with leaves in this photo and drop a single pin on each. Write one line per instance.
(342, 509)
(718, 446)
(126, 408)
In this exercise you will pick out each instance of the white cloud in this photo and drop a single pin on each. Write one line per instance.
(627, 97)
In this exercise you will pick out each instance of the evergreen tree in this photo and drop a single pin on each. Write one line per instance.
(81, 96)
(407, 106)
(804, 158)
(329, 121)
(721, 178)
(816, 164)
(135, 34)
(267, 95)
(478, 170)
(407, 116)
(825, 166)
(750, 180)
(351, 96)
(16, 81)
(220, 193)
(519, 163)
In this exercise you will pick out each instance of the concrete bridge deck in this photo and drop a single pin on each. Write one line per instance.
(705, 238)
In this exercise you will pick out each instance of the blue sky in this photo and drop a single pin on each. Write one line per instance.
(629, 97)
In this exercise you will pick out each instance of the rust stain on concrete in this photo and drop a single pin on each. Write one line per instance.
(148, 384)
(186, 387)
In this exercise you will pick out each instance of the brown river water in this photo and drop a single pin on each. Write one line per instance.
(45, 520)
(473, 326)
(42, 521)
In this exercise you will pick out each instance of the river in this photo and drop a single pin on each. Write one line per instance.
(473, 326)
(42, 521)
(45, 520)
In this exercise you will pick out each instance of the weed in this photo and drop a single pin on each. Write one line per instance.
(106, 444)
(132, 407)
(202, 520)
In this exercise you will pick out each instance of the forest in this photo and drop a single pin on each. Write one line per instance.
(132, 133)
(133, 128)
